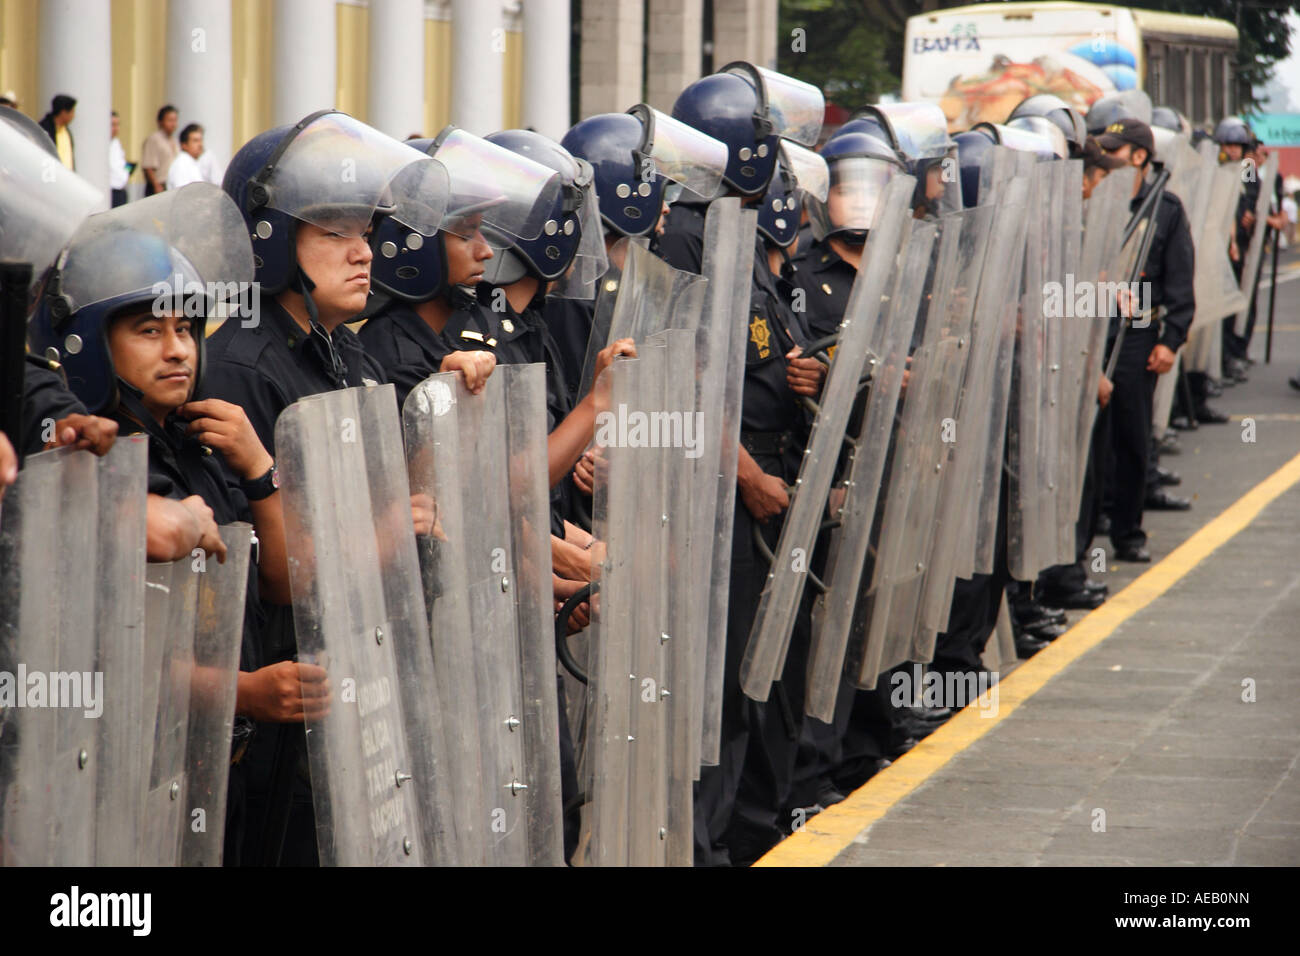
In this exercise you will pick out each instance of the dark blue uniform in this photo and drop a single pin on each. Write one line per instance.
(46, 397)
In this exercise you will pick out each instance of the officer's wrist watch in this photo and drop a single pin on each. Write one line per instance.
(257, 489)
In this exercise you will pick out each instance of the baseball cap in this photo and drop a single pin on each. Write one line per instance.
(1127, 130)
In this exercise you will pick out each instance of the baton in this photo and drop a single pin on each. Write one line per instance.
(1139, 264)
(1272, 301)
(15, 278)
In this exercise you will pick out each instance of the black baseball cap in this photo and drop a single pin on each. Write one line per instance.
(1093, 156)
(1127, 130)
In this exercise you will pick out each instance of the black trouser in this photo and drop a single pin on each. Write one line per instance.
(119, 198)
(1234, 345)
(1065, 578)
(1130, 425)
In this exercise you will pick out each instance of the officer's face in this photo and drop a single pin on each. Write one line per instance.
(466, 252)
(339, 265)
(851, 204)
(1232, 151)
(1091, 177)
(934, 183)
(157, 354)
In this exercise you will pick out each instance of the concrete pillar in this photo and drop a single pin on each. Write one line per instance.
(478, 45)
(199, 80)
(75, 58)
(674, 50)
(396, 98)
(305, 58)
(611, 56)
(546, 67)
(768, 38)
(737, 27)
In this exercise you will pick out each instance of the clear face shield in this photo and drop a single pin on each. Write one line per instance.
(201, 247)
(691, 160)
(338, 172)
(1045, 140)
(856, 184)
(590, 261)
(922, 128)
(494, 189)
(42, 202)
(811, 174)
(1044, 128)
(793, 109)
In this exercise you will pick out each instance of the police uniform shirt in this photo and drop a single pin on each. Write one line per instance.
(569, 322)
(768, 404)
(46, 398)
(267, 368)
(1170, 269)
(826, 281)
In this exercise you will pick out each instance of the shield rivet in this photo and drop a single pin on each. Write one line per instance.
(663, 519)
(920, 566)
(263, 229)
(515, 787)
(663, 833)
(83, 758)
(406, 845)
(401, 777)
(664, 692)
(512, 723)
(664, 638)
(745, 153)
(72, 344)
(379, 635)
(938, 468)
(415, 241)
(388, 249)
(174, 790)
(505, 584)
(623, 190)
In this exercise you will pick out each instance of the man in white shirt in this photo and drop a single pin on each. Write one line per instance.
(185, 167)
(118, 169)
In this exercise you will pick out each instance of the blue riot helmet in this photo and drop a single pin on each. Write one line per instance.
(1113, 107)
(571, 248)
(800, 173)
(493, 192)
(1041, 138)
(750, 109)
(1051, 107)
(332, 171)
(860, 165)
(636, 158)
(183, 250)
(1233, 130)
(1166, 117)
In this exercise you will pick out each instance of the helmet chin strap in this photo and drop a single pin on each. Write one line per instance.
(336, 368)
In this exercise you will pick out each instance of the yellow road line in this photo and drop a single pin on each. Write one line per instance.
(826, 835)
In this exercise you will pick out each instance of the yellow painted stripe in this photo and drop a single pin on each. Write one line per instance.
(826, 835)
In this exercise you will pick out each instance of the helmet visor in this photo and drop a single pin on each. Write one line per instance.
(856, 184)
(42, 202)
(694, 160)
(494, 187)
(337, 172)
(921, 127)
(812, 175)
(195, 233)
(796, 109)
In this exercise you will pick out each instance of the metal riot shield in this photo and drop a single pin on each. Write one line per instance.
(378, 785)
(73, 725)
(729, 238)
(887, 602)
(870, 305)
(1068, 336)
(1255, 253)
(773, 624)
(951, 497)
(171, 601)
(218, 633)
(1000, 360)
(1217, 292)
(482, 460)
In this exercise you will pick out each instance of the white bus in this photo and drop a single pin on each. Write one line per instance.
(979, 61)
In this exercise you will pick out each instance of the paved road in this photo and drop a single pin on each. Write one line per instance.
(1147, 731)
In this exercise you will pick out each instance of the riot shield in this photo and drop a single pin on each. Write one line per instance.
(171, 601)
(729, 238)
(1255, 253)
(1070, 332)
(378, 784)
(864, 320)
(73, 776)
(218, 633)
(1217, 292)
(882, 620)
(952, 497)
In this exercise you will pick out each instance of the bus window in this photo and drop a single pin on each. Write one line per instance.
(1200, 104)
